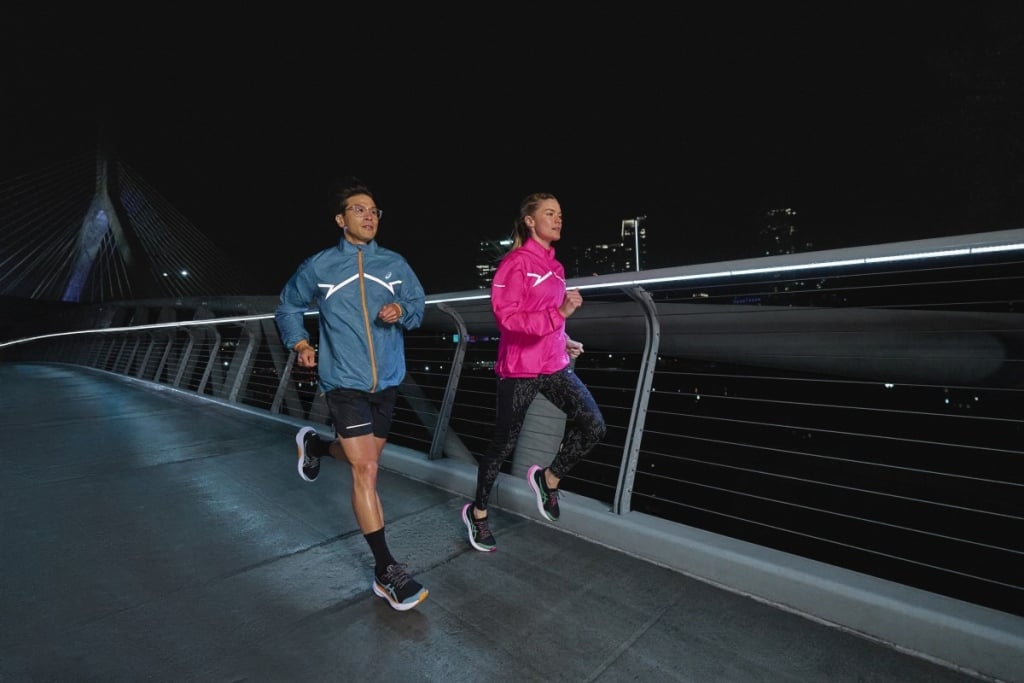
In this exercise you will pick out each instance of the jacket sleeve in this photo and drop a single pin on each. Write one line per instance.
(297, 297)
(412, 300)
(511, 306)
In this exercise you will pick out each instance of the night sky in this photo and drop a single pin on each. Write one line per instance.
(875, 123)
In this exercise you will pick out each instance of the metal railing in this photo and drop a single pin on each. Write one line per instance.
(858, 407)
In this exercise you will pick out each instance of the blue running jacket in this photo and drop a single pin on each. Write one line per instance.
(348, 284)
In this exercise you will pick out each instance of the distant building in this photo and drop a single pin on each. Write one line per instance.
(614, 257)
(491, 252)
(780, 234)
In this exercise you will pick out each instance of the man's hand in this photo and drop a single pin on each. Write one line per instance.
(390, 313)
(306, 355)
(573, 348)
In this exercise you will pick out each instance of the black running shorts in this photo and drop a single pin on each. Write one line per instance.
(357, 413)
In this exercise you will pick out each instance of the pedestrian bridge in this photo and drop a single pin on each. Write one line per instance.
(810, 474)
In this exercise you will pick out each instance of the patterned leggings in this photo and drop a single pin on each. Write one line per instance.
(585, 424)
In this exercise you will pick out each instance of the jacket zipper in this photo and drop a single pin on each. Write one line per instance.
(366, 322)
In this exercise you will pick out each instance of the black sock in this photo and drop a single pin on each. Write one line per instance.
(318, 447)
(382, 558)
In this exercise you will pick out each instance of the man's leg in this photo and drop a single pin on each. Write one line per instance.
(357, 412)
(391, 580)
(363, 454)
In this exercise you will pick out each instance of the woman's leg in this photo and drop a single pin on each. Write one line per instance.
(585, 423)
(513, 400)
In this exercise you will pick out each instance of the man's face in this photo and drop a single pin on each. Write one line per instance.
(360, 219)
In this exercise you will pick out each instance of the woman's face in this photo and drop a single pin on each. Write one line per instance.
(545, 223)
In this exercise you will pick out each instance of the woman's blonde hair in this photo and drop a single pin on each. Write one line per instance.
(521, 233)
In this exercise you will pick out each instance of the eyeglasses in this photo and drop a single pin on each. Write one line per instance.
(359, 210)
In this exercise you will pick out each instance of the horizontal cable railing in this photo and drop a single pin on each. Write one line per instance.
(865, 410)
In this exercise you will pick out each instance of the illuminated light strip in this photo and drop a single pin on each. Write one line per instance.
(922, 255)
(151, 326)
(801, 266)
(998, 247)
(460, 298)
(671, 278)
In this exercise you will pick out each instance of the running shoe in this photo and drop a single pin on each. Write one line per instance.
(547, 499)
(400, 590)
(480, 536)
(309, 465)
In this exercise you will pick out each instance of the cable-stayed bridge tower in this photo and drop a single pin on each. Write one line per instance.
(101, 226)
(90, 229)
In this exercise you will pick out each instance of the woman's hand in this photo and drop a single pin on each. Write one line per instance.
(573, 300)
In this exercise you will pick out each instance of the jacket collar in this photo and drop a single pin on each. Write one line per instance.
(535, 247)
(345, 246)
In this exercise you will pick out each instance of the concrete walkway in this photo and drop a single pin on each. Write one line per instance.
(149, 537)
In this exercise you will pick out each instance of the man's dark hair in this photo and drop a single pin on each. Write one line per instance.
(343, 188)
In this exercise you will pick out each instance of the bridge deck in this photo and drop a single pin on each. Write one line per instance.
(146, 537)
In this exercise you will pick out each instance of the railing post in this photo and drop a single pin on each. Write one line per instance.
(144, 363)
(448, 400)
(186, 357)
(242, 361)
(635, 431)
(214, 353)
(165, 357)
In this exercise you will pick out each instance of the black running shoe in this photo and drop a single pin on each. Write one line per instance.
(480, 536)
(398, 588)
(547, 499)
(309, 465)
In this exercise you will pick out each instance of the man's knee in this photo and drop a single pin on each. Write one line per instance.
(364, 470)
